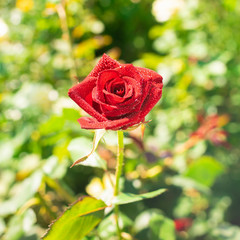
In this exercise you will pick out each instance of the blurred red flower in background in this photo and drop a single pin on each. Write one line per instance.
(183, 224)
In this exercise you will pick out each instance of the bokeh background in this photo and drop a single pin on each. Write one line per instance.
(191, 145)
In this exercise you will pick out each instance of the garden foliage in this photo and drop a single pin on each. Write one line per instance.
(190, 145)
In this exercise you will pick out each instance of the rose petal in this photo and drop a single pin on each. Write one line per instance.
(103, 78)
(95, 98)
(110, 85)
(104, 63)
(130, 71)
(115, 107)
(107, 76)
(113, 98)
(115, 87)
(133, 102)
(129, 91)
(91, 123)
(133, 91)
(136, 87)
(152, 90)
(154, 95)
(81, 94)
(130, 74)
(150, 75)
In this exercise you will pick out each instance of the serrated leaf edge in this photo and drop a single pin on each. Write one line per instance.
(68, 208)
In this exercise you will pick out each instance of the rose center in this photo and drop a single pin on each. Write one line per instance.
(119, 90)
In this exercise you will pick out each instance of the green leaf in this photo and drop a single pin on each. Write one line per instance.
(124, 198)
(226, 231)
(230, 4)
(81, 147)
(143, 219)
(52, 125)
(20, 225)
(70, 114)
(154, 225)
(162, 228)
(2, 226)
(188, 183)
(107, 230)
(54, 169)
(26, 190)
(205, 170)
(78, 220)
(54, 1)
(7, 151)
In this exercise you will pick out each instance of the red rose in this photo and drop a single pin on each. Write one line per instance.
(183, 224)
(116, 95)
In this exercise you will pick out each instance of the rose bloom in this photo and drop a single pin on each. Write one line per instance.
(117, 96)
(183, 224)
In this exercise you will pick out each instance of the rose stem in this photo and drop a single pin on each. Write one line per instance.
(118, 175)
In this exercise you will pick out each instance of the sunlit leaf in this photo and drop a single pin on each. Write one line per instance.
(55, 168)
(230, 4)
(188, 183)
(205, 170)
(54, 124)
(70, 114)
(107, 230)
(162, 228)
(124, 198)
(2, 226)
(27, 189)
(226, 232)
(7, 151)
(54, 1)
(20, 224)
(142, 220)
(78, 220)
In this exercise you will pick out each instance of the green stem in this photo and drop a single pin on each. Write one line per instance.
(62, 13)
(118, 175)
(44, 202)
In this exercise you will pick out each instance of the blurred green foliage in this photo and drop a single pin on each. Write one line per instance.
(191, 146)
